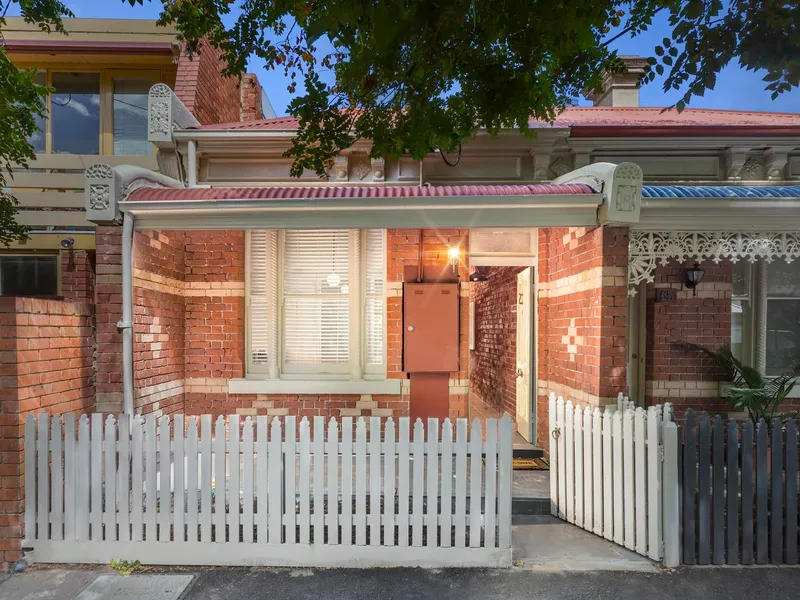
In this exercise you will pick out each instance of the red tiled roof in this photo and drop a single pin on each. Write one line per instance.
(600, 116)
(368, 191)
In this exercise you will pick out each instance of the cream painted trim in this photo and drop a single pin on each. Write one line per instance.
(168, 285)
(576, 396)
(161, 391)
(683, 389)
(591, 279)
(311, 386)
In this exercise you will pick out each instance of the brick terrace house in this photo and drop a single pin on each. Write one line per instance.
(51, 337)
(255, 293)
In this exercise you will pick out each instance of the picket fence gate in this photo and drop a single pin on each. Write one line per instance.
(615, 473)
(740, 491)
(254, 492)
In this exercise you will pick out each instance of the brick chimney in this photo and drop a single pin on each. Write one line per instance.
(251, 98)
(621, 89)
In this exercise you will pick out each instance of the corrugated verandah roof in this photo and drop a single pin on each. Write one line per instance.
(367, 191)
(720, 191)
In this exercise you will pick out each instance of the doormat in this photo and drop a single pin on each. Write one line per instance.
(530, 464)
(137, 587)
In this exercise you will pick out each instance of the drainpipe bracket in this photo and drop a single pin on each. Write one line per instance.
(124, 325)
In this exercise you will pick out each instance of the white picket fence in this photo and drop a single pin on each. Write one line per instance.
(254, 492)
(615, 473)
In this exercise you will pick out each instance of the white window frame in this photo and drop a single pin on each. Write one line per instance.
(357, 369)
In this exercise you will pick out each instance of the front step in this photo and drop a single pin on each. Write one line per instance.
(525, 450)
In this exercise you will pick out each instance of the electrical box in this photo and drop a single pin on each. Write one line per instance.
(430, 327)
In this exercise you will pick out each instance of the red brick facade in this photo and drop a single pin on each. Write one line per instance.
(77, 275)
(493, 362)
(46, 356)
(252, 109)
(210, 97)
(108, 302)
(675, 372)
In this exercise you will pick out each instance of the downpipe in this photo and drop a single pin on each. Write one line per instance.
(126, 324)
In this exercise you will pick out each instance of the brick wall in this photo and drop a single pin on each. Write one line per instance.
(46, 351)
(493, 362)
(673, 371)
(159, 321)
(251, 98)
(583, 308)
(77, 275)
(108, 302)
(209, 96)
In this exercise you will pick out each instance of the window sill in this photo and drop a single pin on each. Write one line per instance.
(311, 386)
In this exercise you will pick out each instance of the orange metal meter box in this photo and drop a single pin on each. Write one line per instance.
(430, 327)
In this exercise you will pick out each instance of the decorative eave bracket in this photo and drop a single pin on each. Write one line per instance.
(621, 186)
(165, 113)
(107, 186)
(647, 249)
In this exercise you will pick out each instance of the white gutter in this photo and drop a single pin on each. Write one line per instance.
(719, 214)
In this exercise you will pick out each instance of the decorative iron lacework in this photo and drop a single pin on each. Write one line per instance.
(646, 249)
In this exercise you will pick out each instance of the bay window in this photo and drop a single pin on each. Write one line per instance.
(315, 304)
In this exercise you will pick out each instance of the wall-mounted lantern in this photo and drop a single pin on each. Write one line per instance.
(693, 277)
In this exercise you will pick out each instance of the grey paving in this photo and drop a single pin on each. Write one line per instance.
(137, 587)
(531, 484)
(45, 584)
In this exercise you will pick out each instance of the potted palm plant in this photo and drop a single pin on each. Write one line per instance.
(750, 391)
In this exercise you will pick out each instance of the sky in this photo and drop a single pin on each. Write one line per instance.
(736, 89)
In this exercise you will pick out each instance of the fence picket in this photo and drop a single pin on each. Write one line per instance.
(234, 478)
(333, 482)
(192, 472)
(374, 481)
(164, 462)
(791, 492)
(57, 480)
(654, 471)
(263, 458)
(447, 483)
(776, 509)
(629, 480)
(505, 466)
(110, 476)
(432, 487)
(619, 514)
(274, 483)
(30, 477)
(150, 474)
(319, 480)
(490, 504)
(220, 483)
(84, 469)
(248, 491)
(460, 515)
(289, 475)
(123, 478)
(96, 461)
(70, 478)
(577, 440)
(762, 525)
(418, 484)
(569, 450)
(347, 481)
(43, 475)
(732, 509)
(476, 464)
(718, 492)
(588, 464)
(304, 483)
(704, 491)
(748, 527)
(553, 420)
(178, 479)
(671, 495)
(689, 487)
(206, 478)
(608, 477)
(361, 482)
(137, 479)
(562, 457)
(403, 481)
(640, 479)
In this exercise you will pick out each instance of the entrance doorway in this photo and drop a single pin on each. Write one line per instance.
(502, 329)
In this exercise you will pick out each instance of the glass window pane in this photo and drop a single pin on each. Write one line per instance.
(783, 335)
(28, 275)
(783, 279)
(741, 279)
(75, 113)
(37, 140)
(738, 310)
(130, 117)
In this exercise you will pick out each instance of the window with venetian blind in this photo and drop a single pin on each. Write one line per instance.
(316, 303)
